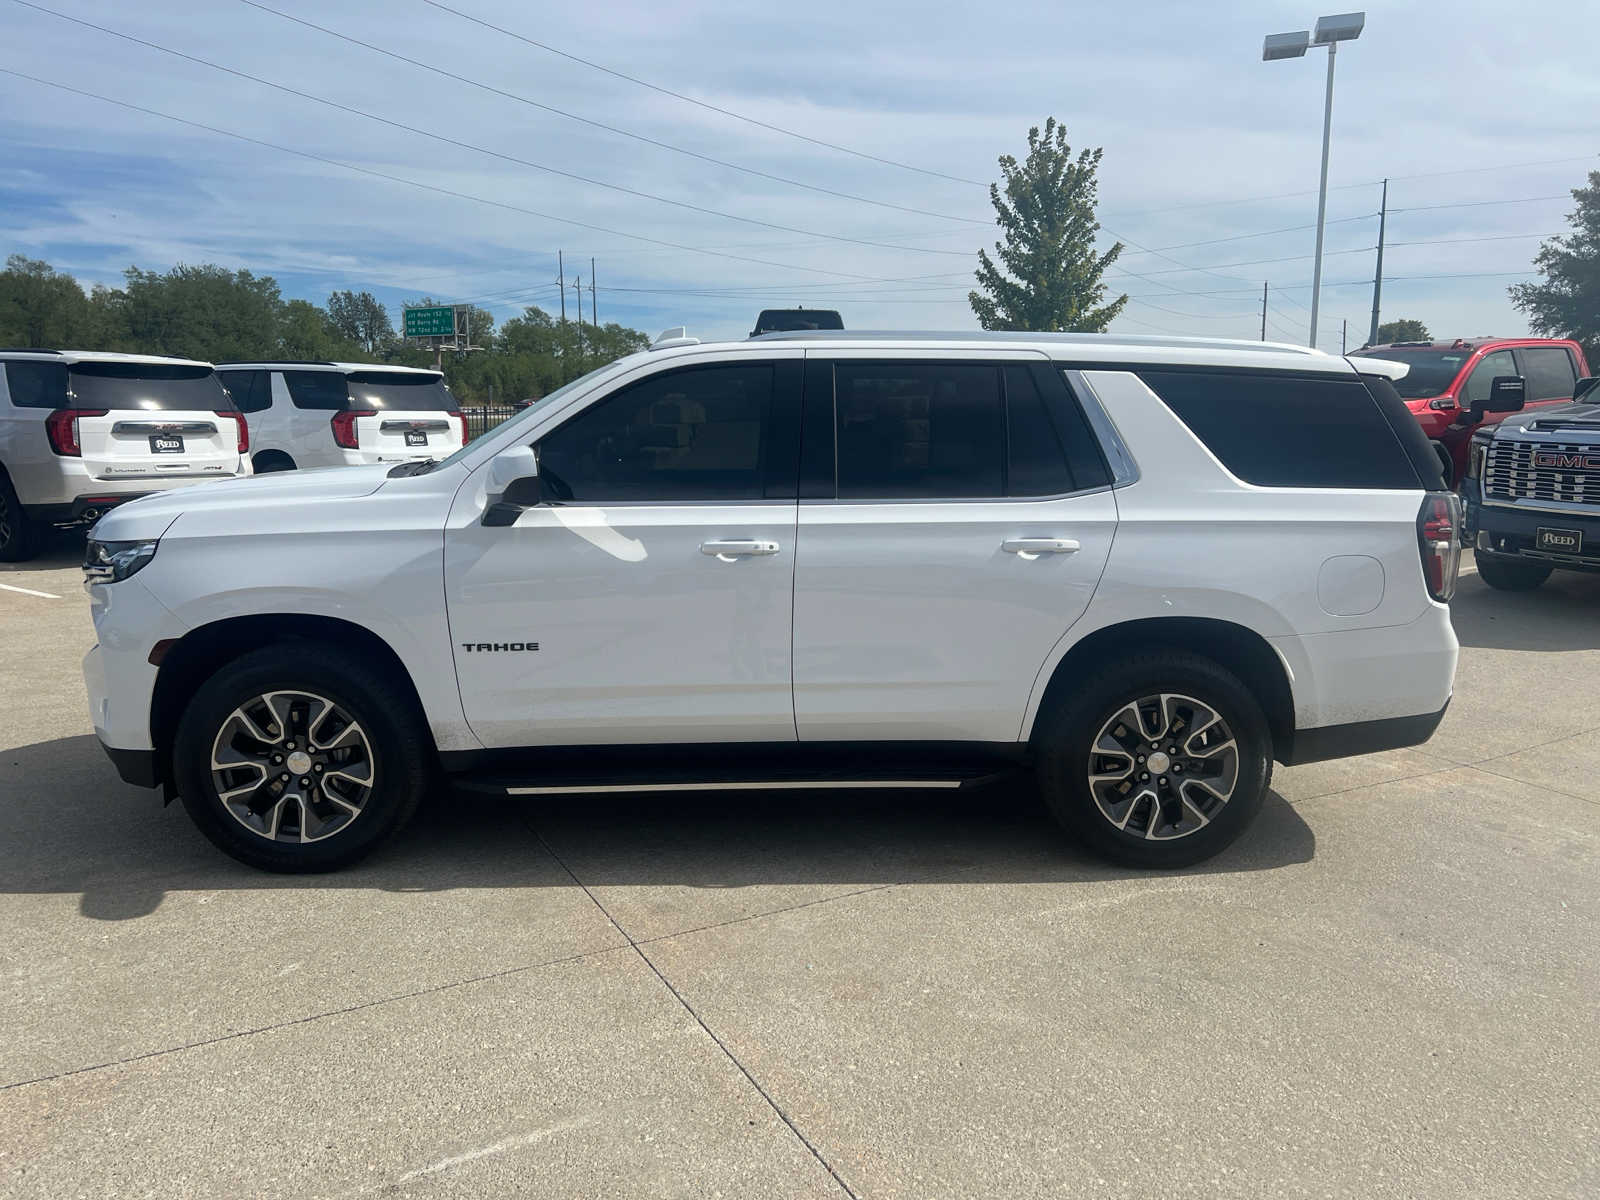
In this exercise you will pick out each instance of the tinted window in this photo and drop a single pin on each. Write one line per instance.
(1548, 371)
(698, 434)
(387, 390)
(1284, 431)
(1036, 462)
(147, 386)
(37, 384)
(909, 431)
(251, 390)
(1485, 373)
(317, 389)
(1432, 371)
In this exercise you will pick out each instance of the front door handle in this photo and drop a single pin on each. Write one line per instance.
(1028, 547)
(728, 549)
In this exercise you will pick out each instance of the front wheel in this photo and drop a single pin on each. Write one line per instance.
(1160, 760)
(1509, 575)
(300, 757)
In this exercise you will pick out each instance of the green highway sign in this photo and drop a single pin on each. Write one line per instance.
(430, 322)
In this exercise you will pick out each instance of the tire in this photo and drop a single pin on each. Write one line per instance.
(1509, 575)
(390, 750)
(1187, 688)
(271, 460)
(19, 536)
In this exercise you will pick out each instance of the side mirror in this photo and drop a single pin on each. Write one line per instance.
(513, 485)
(1505, 394)
(1585, 386)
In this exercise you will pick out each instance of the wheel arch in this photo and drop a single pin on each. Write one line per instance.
(1240, 650)
(272, 460)
(189, 661)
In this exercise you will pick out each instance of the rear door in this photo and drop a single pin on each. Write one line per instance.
(954, 521)
(151, 421)
(403, 415)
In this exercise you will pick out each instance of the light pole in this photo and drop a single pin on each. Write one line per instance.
(1329, 32)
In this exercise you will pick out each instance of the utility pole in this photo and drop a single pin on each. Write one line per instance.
(1377, 277)
(561, 278)
(1263, 310)
(594, 303)
(577, 286)
(1344, 334)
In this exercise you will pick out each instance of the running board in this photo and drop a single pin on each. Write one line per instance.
(547, 787)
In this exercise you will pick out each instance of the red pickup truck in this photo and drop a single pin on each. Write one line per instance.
(1448, 384)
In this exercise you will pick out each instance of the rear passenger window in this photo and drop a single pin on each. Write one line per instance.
(918, 431)
(1548, 371)
(251, 390)
(318, 389)
(1036, 463)
(1286, 431)
(37, 384)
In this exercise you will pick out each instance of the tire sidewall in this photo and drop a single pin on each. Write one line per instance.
(400, 768)
(1063, 756)
(20, 546)
(1512, 575)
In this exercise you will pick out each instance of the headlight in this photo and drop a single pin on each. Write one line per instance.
(1475, 456)
(108, 562)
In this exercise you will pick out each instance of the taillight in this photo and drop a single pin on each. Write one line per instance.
(344, 426)
(1438, 529)
(244, 430)
(461, 419)
(61, 427)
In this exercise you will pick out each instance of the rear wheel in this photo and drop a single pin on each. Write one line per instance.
(19, 538)
(300, 758)
(1160, 760)
(1510, 575)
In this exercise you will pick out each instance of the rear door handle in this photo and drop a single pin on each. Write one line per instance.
(1030, 546)
(728, 549)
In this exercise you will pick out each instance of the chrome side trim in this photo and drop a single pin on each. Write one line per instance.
(746, 786)
(1124, 470)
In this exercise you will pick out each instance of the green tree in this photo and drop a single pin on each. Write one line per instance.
(1567, 303)
(39, 307)
(1404, 330)
(305, 331)
(206, 312)
(358, 318)
(1050, 277)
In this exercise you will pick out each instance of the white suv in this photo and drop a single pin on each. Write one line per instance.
(1141, 569)
(81, 431)
(329, 414)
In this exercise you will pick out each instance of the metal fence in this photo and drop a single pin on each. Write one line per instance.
(482, 419)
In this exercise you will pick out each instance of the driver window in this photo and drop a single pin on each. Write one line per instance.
(1484, 374)
(697, 434)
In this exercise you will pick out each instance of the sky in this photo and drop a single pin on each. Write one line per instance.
(1483, 126)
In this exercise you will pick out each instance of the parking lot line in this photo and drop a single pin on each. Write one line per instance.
(30, 592)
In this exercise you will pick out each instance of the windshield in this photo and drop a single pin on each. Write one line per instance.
(1432, 371)
(147, 386)
(389, 390)
(528, 414)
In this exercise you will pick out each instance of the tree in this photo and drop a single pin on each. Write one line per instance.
(1051, 276)
(1404, 330)
(1567, 303)
(39, 307)
(359, 318)
(206, 312)
(305, 331)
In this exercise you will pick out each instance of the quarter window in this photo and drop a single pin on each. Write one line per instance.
(1494, 365)
(696, 434)
(251, 390)
(325, 390)
(1548, 371)
(37, 384)
(1288, 431)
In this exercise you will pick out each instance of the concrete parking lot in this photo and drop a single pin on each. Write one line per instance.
(1388, 988)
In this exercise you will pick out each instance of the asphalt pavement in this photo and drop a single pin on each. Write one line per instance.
(1388, 987)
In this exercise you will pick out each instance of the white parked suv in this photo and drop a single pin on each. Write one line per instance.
(331, 414)
(82, 431)
(1140, 569)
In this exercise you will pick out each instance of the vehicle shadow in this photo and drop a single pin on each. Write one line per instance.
(1559, 615)
(61, 549)
(69, 825)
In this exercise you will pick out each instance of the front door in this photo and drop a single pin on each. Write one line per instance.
(651, 600)
(969, 521)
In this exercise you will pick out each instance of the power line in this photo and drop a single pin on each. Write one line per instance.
(429, 187)
(690, 99)
(561, 112)
(1478, 203)
(1239, 237)
(512, 158)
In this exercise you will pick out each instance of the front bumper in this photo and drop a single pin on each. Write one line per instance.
(1510, 530)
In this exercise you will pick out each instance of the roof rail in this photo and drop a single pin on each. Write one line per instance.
(678, 335)
(26, 350)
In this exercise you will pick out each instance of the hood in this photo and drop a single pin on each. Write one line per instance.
(1581, 420)
(150, 516)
